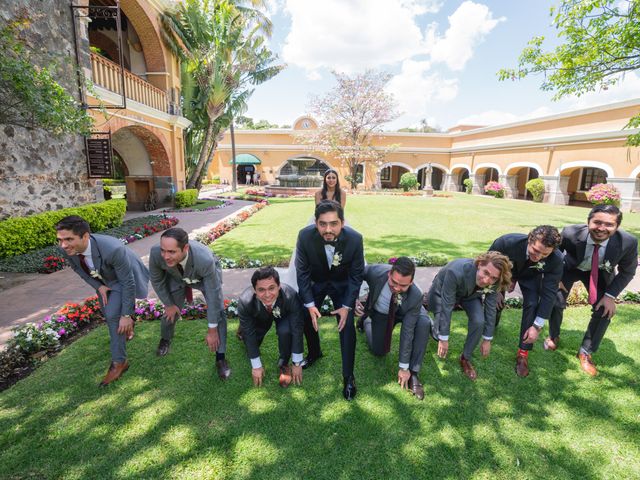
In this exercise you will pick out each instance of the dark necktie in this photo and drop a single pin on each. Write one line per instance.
(391, 320)
(593, 276)
(83, 264)
(269, 309)
(188, 291)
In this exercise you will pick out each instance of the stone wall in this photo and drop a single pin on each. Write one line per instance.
(39, 171)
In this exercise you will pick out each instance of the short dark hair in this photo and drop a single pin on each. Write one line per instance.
(404, 266)
(78, 225)
(610, 209)
(178, 234)
(264, 273)
(326, 206)
(548, 235)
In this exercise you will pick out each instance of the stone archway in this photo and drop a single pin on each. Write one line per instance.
(148, 167)
(517, 176)
(484, 174)
(437, 176)
(390, 174)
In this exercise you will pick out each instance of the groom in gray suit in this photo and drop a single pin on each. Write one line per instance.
(177, 266)
(471, 283)
(394, 298)
(117, 275)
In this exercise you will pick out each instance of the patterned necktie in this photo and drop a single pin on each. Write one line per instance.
(269, 308)
(83, 264)
(593, 276)
(188, 291)
(391, 320)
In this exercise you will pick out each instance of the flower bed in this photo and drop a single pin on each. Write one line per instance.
(225, 203)
(229, 224)
(50, 259)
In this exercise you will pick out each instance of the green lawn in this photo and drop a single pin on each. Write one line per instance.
(461, 226)
(170, 418)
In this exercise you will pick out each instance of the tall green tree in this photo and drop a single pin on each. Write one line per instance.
(601, 42)
(222, 46)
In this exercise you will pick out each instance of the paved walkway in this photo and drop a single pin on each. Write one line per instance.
(41, 295)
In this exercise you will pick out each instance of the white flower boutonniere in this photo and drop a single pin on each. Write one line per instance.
(487, 290)
(189, 281)
(96, 274)
(538, 266)
(606, 266)
(337, 258)
(276, 312)
(398, 299)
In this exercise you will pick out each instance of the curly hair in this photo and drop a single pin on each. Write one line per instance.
(499, 261)
(548, 235)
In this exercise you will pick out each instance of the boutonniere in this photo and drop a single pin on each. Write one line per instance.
(276, 312)
(189, 281)
(398, 299)
(337, 258)
(95, 274)
(606, 266)
(487, 290)
(538, 266)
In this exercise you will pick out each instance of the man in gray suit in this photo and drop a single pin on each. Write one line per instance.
(473, 284)
(177, 266)
(394, 298)
(117, 275)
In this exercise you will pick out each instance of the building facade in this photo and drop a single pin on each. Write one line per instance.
(570, 152)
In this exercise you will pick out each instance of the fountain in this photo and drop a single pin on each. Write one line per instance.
(297, 177)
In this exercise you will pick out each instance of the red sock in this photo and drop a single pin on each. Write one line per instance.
(524, 353)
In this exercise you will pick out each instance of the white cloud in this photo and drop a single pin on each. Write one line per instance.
(499, 117)
(627, 88)
(352, 36)
(414, 88)
(420, 7)
(468, 26)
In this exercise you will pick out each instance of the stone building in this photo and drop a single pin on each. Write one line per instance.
(40, 172)
(570, 151)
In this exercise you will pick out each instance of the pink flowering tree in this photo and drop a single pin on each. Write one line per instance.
(350, 117)
(604, 194)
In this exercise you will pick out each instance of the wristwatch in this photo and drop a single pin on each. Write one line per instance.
(296, 364)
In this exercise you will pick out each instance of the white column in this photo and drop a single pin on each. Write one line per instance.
(555, 189)
(510, 183)
(450, 182)
(478, 183)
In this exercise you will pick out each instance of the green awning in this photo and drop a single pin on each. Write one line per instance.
(246, 159)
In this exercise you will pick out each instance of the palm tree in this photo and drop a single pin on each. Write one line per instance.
(222, 45)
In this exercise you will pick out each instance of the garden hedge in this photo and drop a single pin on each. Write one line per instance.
(186, 198)
(23, 234)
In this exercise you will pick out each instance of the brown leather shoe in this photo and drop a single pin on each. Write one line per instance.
(586, 363)
(224, 371)
(551, 343)
(285, 376)
(114, 373)
(416, 387)
(467, 368)
(522, 365)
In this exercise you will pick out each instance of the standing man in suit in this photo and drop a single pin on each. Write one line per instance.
(394, 298)
(592, 254)
(117, 275)
(268, 301)
(330, 261)
(177, 266)
(466, 281)
(537, 268)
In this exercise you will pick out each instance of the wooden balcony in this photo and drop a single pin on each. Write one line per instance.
(106, 74)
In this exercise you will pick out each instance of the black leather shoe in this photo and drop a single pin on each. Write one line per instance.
(309, 361)
(163, 347)
(416, 387)
(224, 371)
(360, 324)
(349, 391)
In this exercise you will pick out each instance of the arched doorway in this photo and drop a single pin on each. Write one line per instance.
(148, 181)
(437, 177)
(522, 174)
(581, 179)
(390, 175)
(247, 168)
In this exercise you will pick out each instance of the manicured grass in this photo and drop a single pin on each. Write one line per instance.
(203, 204)
(460, 226)
(171, 418)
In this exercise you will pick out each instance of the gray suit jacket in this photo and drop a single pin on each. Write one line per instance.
(408, 312)
(453, 284)
(202, 266)
(120, 269)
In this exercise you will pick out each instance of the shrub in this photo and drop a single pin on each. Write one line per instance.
(536, 189)
(408, 181)
(495, 189)
(604, 194)
(468, 185)
(186, 198)
(23, 234)
(106, 191)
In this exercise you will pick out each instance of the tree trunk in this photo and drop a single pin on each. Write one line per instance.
(196, 175)
(214, 144)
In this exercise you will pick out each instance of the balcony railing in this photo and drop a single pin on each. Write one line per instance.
(106, 74)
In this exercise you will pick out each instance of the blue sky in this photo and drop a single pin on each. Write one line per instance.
(443, 55)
